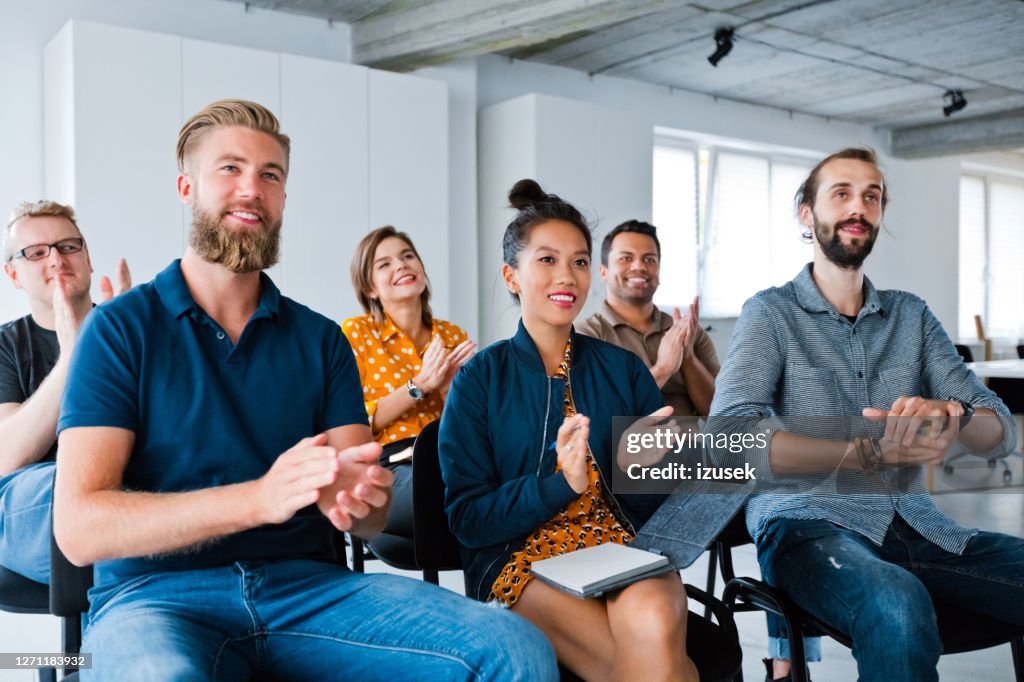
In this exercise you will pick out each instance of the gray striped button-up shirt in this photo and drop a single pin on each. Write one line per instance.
(794, 355)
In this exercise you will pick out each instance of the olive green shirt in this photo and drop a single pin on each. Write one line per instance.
(608, 326)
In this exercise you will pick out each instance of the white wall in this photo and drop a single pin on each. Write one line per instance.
(26, 26)
(461, 77)
(595, 157)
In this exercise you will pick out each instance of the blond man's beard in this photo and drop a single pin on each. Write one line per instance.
(240, 251)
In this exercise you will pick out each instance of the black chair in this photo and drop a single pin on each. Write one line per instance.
(69, 599)
(960, 630)
(18, 594)
(401, 552)
(712, 645)
(1005, 389)
(434, 547)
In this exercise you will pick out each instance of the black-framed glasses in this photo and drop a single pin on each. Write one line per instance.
(40, 251)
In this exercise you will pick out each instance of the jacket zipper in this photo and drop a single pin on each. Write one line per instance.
(606, 492)
(540, 462)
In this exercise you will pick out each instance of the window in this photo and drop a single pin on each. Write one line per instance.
(991, 252)
(726, 223)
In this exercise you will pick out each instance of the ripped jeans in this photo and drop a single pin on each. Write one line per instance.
(883, 595)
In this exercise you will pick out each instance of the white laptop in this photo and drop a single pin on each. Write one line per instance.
(593, 571)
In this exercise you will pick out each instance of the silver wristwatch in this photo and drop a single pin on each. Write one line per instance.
(415, 392)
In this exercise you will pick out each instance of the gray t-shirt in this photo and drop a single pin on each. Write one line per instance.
(27, 354)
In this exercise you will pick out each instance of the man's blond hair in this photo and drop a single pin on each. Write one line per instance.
(35, 209)
(228, 112)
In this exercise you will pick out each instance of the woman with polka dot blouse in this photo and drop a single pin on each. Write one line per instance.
(406, 357)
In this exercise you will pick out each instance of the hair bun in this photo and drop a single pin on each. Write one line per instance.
(526, 193)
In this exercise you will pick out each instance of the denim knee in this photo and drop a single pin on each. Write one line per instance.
(899, 617)
(527, 652)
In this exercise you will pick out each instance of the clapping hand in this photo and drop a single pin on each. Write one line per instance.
(571, 448)
(124, 282)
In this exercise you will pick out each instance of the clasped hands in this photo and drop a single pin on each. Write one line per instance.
(347, 485)
(571, 446)
(917, 430)
(677, 343)
(440, 365)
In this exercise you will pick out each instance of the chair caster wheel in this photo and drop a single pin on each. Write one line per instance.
(1007, 476)
(991, 464)
(948, 468)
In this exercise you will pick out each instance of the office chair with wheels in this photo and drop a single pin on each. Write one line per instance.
(1005, 389)
(713, 645)
(959, 630)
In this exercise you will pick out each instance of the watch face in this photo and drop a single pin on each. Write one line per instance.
(414, 391)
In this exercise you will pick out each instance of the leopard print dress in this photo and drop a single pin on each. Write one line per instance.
(587, 521)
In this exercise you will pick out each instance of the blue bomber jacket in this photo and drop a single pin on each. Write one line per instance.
(496, 443)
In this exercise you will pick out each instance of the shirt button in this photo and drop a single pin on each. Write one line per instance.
(220, 336)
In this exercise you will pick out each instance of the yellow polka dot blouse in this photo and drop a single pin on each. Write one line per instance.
(387, 359)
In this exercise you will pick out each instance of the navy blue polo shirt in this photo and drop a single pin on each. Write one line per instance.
(206, 412)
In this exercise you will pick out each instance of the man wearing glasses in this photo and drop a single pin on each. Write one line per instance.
(46, 257)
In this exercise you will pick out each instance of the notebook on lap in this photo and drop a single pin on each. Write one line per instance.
(593, 571)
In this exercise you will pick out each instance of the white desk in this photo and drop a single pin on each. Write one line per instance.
(1006, 369)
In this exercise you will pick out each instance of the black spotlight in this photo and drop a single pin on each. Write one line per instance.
(955, 101)
(723, 41)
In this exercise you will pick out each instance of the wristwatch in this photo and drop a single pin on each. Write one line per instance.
(415, 392)
(965, 418)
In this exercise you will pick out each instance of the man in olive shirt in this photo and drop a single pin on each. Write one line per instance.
(675, 348)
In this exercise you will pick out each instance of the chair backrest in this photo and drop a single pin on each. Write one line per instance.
(965, 352)
(69, 584)
(1010, 391)
(69, 595)
(435, 546)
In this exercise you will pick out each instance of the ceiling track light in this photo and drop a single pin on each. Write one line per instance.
(723, 42)
(955, 101)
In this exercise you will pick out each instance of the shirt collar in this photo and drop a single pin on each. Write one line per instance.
(388, 328)
(811, 299)
(174, 294)
(657, 319)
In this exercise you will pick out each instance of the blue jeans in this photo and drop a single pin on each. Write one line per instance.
(882, 596)
(25, 521)
(292, 620)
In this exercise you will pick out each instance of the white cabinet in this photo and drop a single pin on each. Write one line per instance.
(368, 148)
(405, 189)
(113, 109)
(595, 157)
(328, 186)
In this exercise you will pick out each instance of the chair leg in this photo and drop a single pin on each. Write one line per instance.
(430, 576)
(356, 545)
(798, 658)
(712, 570)
(1017, 649)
